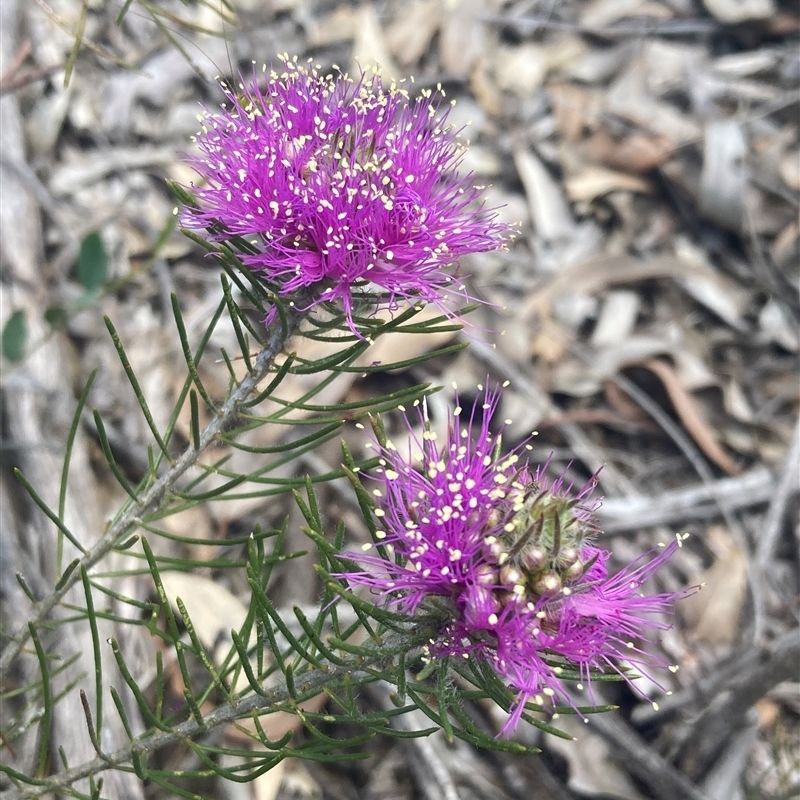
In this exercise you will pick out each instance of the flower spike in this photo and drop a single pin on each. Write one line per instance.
(513, 556)
(344, 189)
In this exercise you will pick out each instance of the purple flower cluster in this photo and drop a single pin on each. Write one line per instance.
(511, 555)
(341, 185)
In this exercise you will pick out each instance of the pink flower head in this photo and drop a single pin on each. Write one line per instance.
(339, 184)
(512, 555)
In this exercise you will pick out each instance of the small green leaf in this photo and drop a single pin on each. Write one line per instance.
(92, 263)
(15, 335)
(55, 316)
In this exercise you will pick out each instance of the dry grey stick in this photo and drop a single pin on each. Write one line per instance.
(748, 675)
(149, 499)
(787, 485)
(723, 780)
(665, 782)
(751, 488)
(772, 665)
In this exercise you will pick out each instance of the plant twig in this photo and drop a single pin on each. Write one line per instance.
(310, 683)
(149, 499)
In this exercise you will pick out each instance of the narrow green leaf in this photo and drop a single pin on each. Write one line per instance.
(266, 605)
(110, 460)
(62, 493)
(87, 712)
(194, 413)
(270, 388)
(15, 336)
(317, 639)
(98, 661)
(137, 389)
(200, 650)
(46, 509)
(127, 544)
(23, 584)
(233, 313)
(123, 716)
(70, 65)
(244, 661)
(187, 352)
(159, 685)
(149, 716)
(173, 629)
(123, 11)
(47, 702)
(67, 572)
(445, 695)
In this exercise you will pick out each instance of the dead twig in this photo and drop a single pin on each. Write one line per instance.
(758, 672)
(752, 488)
(747, 676)
(787, 486)
(664, 780)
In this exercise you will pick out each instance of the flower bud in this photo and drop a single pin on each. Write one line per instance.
(480, 607)
(575, 570)
(485, 575)
(493, 550)
(568, 556)
(533, 559)
(510, 575)
(547, 584)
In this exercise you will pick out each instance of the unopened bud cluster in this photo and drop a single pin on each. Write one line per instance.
(536, 550)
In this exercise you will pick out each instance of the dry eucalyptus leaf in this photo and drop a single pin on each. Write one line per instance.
(562, 51)
(777, 327)
(617, 318)
(712, 615)
(299, 782)
(550, 213)
(709, 287)
(599, 13)
(520, 70)
(484, 87)
(410, 34)
(593, 182)
(732, 12)
(736, 403)
(338, 26)
(462, 36)
(631, 97)
(267, 785)
(370, 48)
(635, 153)
(724, 175)
(692, 417)
(790, 170)
(576, 109)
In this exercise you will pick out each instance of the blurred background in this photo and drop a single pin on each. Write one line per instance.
(646, 316)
